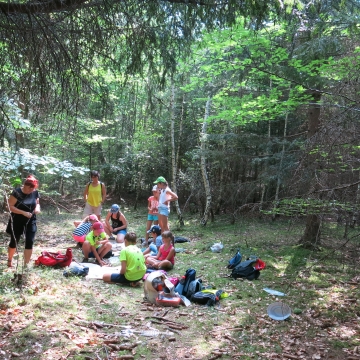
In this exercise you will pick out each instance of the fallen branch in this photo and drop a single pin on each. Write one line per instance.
(230, 338)
(100, 324)
(122, 347)
(168, 322)
(168, 327)
(216, 356)
(288, 356)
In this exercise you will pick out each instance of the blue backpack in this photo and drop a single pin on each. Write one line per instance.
(235, 260)
(189, 276)
(194, 287)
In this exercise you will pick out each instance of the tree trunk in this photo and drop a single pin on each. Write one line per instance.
(174, 156)
(279, 174)
(311, 236)
(203, 164)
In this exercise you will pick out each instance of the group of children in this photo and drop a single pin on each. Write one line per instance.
(160, 254)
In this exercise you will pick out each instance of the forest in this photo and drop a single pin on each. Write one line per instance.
(249, 108)
(244, 106)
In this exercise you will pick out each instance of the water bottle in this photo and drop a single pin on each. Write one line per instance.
(180, 286)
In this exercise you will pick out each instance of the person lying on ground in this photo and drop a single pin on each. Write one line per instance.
(96, 244)
(165, 259)
(154, 247)
(133, 266)
(118, 223)
(83, 227)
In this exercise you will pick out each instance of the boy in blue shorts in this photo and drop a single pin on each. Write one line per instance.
(132, 264)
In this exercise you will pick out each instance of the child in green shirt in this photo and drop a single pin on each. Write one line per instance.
(132, 264)
(96, 245)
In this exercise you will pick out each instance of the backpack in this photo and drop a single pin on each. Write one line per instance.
(76, 270)
(194, 287)
(249, 269)
(48, 258)
(205, 298)
(235, 260)
(190, 275)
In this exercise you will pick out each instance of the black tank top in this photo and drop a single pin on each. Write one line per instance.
(115, 223)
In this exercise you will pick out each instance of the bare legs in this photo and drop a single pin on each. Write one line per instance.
(163, 222)
(11, 253)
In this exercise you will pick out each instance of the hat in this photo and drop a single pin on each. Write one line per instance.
(93, 217)
(155, 188)
(98, 226)
(114, 208)
(160, 179)
(155, 229)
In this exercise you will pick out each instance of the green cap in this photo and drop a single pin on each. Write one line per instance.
(160, 179)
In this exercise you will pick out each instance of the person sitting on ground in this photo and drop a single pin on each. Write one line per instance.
(165, 259)
(118, 223)
(96, 244)
(133, 266)
(83, 227)
(154, 247)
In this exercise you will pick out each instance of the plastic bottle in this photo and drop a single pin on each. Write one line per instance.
(180, 286)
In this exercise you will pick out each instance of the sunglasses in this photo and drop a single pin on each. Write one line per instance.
(30, 185)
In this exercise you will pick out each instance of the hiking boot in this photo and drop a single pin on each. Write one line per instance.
(85, 260)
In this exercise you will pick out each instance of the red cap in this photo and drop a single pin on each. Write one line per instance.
(98, 226)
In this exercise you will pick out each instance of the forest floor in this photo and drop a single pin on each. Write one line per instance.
(50, 316)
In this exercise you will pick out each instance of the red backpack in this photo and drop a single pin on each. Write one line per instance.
(48, 258)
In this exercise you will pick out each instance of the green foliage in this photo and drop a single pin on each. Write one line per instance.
(301, 207)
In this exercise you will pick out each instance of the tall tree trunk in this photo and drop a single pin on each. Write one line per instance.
(311, 236)
(203, 164)
(174, 155)
(221, 182)
(279, 174)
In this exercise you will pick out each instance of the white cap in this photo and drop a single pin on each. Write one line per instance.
(155, 188)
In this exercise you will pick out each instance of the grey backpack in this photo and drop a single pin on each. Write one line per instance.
(195, 286)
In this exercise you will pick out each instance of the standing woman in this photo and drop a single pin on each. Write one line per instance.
(166, 196)
(94, 195)
(23, 206)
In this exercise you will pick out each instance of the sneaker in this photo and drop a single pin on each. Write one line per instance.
(85, 260)
(111, 238)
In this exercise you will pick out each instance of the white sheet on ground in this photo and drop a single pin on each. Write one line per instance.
(97, 271)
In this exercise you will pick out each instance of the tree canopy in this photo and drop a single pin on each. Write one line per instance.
(242, 104)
